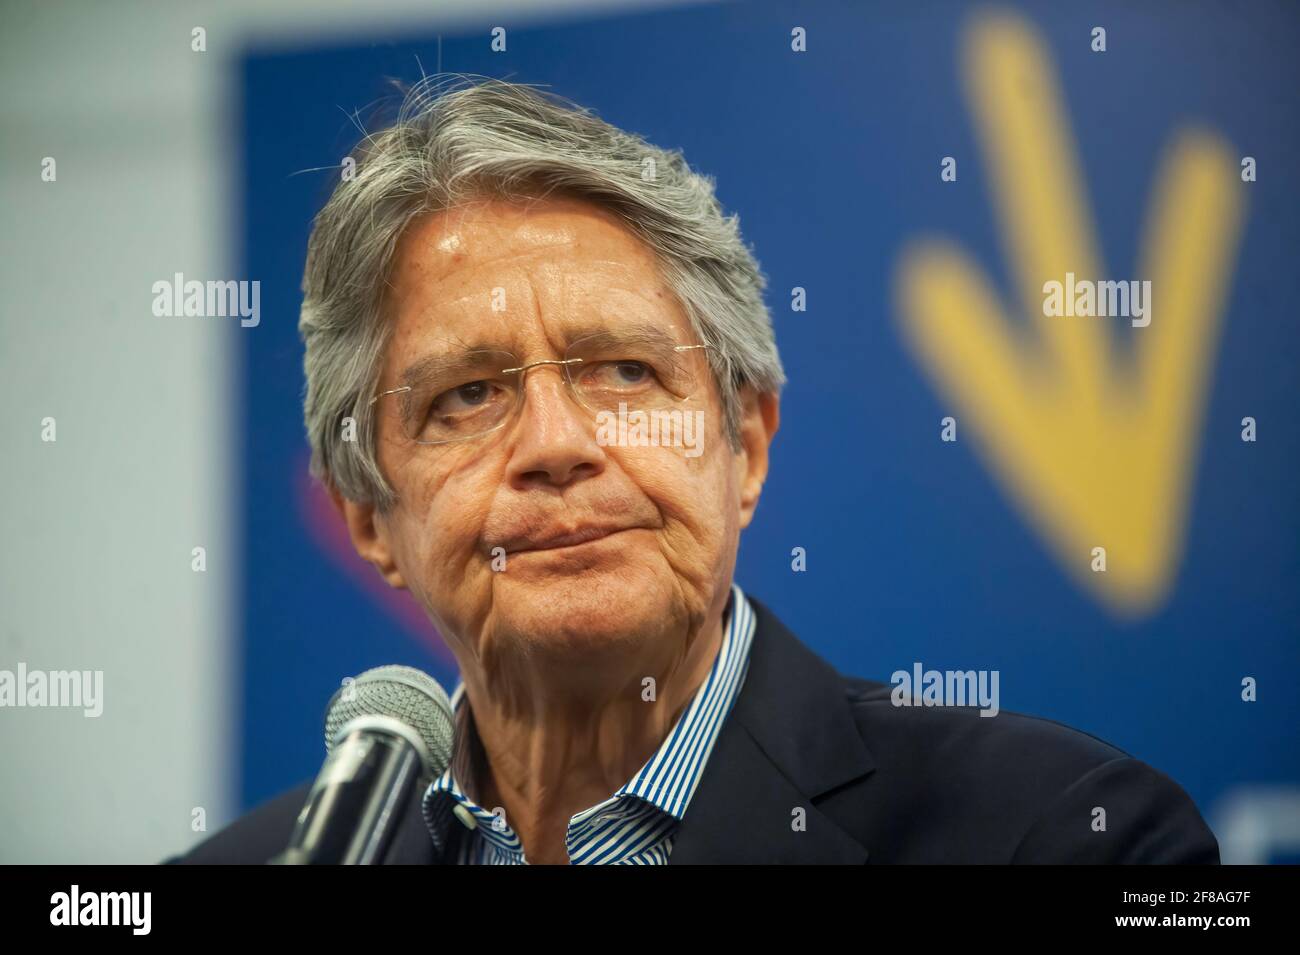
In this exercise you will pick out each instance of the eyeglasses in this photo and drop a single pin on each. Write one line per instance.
(474, 392)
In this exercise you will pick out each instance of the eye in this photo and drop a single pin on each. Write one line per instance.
(632, 372)
(474, 393)
(464, 399)
(619, 374)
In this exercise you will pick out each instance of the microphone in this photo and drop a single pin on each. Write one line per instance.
(387, 731)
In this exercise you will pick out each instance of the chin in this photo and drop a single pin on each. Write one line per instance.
(593, 610)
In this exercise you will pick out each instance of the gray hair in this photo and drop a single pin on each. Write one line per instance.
(455, 141)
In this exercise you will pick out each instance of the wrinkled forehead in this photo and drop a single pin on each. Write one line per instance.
(521, 276)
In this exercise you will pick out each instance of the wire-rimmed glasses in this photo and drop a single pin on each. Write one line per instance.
(472, 392)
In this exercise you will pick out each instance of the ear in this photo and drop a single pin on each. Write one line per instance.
(370, 537)
(760, 416)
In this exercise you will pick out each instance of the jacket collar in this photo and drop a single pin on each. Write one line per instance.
(789, 739)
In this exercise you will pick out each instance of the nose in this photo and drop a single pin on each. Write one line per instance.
(555, 438)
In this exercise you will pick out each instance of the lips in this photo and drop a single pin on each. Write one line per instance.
(550, 540)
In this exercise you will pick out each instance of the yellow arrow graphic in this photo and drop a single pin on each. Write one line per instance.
(1097, 452)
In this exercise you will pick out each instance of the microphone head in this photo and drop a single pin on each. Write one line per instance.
(401, 693)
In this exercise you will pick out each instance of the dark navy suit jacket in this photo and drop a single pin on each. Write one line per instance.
(876, 782)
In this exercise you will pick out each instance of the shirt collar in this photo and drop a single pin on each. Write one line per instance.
(662, 787)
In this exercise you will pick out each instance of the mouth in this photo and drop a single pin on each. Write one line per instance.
(569, 539)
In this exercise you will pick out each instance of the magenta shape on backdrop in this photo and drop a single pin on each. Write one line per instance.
(326, 528)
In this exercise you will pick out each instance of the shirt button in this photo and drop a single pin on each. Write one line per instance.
(465, 816)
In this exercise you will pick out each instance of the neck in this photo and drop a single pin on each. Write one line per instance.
(556, 747)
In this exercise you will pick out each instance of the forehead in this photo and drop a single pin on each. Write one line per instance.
(520, 272)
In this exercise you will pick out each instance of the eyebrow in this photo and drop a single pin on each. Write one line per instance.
(472, 357)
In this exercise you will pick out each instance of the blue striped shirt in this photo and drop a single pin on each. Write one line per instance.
(636, 825)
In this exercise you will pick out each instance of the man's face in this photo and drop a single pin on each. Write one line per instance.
(664, 523)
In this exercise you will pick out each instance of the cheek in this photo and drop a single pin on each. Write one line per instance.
(443, 508)
(695, 496)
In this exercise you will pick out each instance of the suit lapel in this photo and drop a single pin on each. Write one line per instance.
(789, 739)
(412, 844)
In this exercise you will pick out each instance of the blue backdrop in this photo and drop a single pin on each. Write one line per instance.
(916, 550)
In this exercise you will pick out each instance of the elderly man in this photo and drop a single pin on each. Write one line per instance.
(541, 387)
